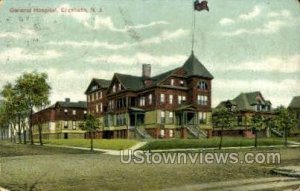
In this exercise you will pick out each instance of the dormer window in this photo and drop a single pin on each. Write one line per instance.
(114, 88)
(172, 82)
(202, 85)
(258, 107)
(94, 87)
(181, 83)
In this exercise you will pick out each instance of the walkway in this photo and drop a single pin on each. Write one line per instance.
(272, 183)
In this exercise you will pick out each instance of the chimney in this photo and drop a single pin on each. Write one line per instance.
(67, 100)
(146, 73)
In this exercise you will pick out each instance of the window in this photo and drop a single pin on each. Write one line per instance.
(100, 96)
(97, 108)
(121, 119)
(202, 117)
(181, 83)
(162, 117)
(73, 125)
(171, 133)
(96, 95)
(171, 99)
(94, 87)
(65, 124)
(172, 82)
(114, 88)
(258, 107)
(101, 107)
(88, 98)
(162, 133)
(142, 101)
(202, 85)
(74, 112)
(183, 98)
(179, 99)
(150, 99)
(66, 111)
(202, 99)
(91, 97)
(162, 98)
(119, 87)
(84, 112)
(171, 117)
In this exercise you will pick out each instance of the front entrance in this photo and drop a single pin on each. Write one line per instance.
(66, 135)
(136, 119)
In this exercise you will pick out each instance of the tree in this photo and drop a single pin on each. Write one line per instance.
(34, 90)
(257, 122)
(90, 126)
(284, 120)
(224, 118)
(3, 122)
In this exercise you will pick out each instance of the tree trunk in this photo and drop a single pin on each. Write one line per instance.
(40, 134)
(24, 136)
(221, 138)
(255, 143)
(11, 135)
(285, 136)
(19, 129)
(92, 141)
(30, 127)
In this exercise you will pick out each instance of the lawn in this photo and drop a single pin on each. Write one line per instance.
(209, 143)
(50, 169)
(114, 144)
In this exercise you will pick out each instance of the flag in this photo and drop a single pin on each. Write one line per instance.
(199, 6)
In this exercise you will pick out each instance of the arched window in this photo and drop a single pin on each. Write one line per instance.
(202, 85)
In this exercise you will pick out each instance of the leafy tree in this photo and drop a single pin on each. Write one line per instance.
(284, 120)
(90, 125)
(34, 90)
(3, 122)
(224, 118)
(257, 123)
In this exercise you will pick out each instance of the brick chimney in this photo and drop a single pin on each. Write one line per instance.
(146, 73)
(67, 100)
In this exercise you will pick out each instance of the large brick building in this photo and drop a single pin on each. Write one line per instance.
(176, 103)
(245, 105)
(61, 120)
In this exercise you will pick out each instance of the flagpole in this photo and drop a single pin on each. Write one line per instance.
(193, 29)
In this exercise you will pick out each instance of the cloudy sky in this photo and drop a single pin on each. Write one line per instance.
(247, 45)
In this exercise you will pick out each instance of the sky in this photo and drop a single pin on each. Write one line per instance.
(246, 45)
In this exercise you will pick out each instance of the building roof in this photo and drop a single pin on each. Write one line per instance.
(69, 104)
(101, 83)
(194, 67)
(130, 82)
(295, 103)
(245, 101)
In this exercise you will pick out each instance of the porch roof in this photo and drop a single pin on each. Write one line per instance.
(185, 107)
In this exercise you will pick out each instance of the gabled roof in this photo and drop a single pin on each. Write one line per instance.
(102, 83)
(130, 82)
(161, 77)
(295, 103)
(245, 101)
(80, 104)
(194, 67)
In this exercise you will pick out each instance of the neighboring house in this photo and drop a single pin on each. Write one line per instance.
(295, 106)
(61, 120)
(176, 103)
(245, 105)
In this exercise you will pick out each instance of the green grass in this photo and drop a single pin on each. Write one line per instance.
(209, 143)
(8, 149)
(114, 144)
(53, 170)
